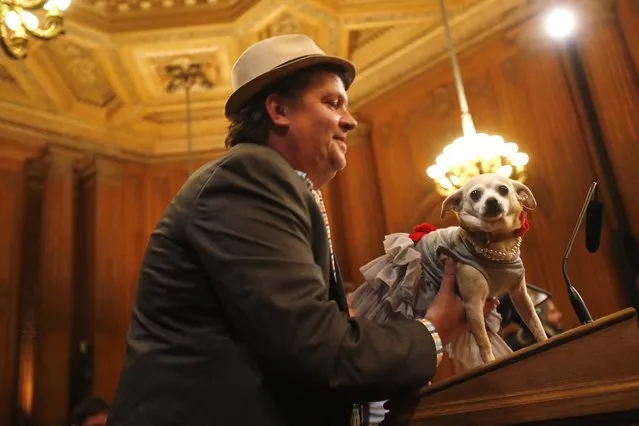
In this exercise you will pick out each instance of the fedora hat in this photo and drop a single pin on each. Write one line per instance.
(274, 58)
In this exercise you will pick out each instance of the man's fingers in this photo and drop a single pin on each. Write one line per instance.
(450, 270)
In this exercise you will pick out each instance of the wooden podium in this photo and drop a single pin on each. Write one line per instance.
(588, 371)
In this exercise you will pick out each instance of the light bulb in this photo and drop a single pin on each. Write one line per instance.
(519, 159)
(29, 19)
(508, 149)
(12, 20)
(445, 183)
(560, 23)
(62, 5)
(435, 171)
(505, 171)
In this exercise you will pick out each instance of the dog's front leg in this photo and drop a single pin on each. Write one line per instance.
(526, 309)
(473, 289)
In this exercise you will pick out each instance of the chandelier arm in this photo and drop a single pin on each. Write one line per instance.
(53, 29)
(14, 49)
(53, 19)
(30, 4)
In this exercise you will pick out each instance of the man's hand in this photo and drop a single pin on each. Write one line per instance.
(377, 412)
(447, 311)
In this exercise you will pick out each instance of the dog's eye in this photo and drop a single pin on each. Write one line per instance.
(475, 194)
(503, 190)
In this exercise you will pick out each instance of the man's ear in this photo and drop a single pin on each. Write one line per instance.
(277, 110)
(524, 195)
(452, 202)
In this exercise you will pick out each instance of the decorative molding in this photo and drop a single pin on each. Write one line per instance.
(59, 162)
(115, 7)
(102, 170)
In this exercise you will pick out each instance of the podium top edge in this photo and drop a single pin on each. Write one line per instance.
(561, 339)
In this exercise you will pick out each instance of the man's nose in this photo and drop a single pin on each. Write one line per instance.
(348, 122)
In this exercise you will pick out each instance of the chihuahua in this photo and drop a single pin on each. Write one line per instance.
(486, 245)
(489, 208)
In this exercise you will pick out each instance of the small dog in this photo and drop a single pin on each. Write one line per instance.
(404, 281)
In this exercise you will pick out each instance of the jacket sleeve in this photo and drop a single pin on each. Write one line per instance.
(250, 226)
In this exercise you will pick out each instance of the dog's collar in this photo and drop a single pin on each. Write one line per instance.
(486, 238)
(482, 248)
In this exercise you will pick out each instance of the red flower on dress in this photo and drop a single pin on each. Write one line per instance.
(420, 230)
(525, 224)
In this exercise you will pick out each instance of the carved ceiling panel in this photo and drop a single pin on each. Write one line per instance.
(81, 72)
(151, 68)
(105, 81)
(116, 7)
(10, 88)
(288, 22)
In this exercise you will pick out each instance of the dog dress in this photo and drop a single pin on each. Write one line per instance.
(404, 281)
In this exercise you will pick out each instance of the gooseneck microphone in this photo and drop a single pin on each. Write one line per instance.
(594, 222)
(575, 299)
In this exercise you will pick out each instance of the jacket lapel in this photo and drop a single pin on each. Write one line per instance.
(336, 288)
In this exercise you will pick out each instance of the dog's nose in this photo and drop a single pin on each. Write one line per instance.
(492, 201)
(493, 205)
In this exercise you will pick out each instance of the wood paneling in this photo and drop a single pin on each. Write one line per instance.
(11, 209)
(615, 90)
(357, 218)
(628, 16)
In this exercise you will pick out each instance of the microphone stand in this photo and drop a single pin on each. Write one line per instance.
(575, 298)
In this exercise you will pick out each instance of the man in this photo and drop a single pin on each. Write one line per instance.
(91, 411)
(240, 317)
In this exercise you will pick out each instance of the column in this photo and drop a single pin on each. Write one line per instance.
(53, 303)
(107, 309)
(12, 184)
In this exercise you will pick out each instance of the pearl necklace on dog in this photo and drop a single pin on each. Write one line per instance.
(492, 254)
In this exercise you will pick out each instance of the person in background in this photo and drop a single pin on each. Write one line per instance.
(92, 411)
(240, 317)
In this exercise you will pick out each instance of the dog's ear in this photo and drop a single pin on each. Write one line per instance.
(524, 195)
(452, 202)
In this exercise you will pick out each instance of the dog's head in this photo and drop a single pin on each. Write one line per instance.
(490, 203)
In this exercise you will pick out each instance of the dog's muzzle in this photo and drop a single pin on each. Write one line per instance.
(492, 207)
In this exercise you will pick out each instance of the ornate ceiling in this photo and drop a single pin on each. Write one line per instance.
(102, 86)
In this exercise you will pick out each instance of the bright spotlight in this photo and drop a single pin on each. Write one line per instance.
(560, 23)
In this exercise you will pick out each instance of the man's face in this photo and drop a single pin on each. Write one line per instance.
(317, 127)
(95, 420)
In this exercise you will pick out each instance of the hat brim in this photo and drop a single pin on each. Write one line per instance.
(253, 87)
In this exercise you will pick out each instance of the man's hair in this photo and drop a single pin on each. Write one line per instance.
(252, 123)
(87, 408)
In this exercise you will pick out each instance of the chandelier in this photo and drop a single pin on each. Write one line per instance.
(19, 19)
(473, 153)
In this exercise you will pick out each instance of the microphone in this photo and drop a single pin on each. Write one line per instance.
(575, 299)
(594, 223)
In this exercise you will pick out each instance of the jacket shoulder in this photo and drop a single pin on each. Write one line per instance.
(252, 157)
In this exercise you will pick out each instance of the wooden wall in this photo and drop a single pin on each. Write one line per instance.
(73, 229)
